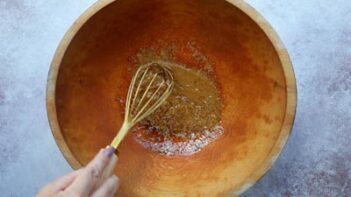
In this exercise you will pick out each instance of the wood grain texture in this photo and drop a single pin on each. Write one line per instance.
(252, 67)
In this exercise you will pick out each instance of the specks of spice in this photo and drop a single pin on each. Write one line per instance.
(171, 148)
(190, 117)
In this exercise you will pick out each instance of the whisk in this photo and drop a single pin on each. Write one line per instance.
(150, 86)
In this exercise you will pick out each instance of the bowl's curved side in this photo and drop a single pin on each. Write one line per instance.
(291, 95)
(52, 78)
(254, 15)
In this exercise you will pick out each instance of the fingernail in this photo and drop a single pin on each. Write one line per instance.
(117, 181)
(109, 151)
(115, 178)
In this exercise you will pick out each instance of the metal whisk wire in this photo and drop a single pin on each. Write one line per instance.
(145, 95)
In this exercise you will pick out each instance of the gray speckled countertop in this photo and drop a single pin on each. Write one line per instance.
(316, 160)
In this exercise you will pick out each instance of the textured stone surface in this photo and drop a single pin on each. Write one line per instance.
(316, 160)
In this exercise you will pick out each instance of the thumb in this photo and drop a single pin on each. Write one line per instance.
(87, 179)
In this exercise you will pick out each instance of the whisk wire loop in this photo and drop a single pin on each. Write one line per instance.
(157, 90)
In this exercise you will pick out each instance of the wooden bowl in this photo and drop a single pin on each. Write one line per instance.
(90, 72)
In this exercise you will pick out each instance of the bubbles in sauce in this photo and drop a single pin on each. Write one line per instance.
(188, 120)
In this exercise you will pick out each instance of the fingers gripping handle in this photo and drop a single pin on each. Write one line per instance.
(108, 171)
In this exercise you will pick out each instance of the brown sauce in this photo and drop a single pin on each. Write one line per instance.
(188, 120)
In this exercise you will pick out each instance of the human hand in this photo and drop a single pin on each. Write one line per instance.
(89, 181)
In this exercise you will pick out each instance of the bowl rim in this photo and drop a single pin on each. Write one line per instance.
(291, 90)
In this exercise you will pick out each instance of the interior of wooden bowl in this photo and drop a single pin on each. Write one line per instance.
(92, 72)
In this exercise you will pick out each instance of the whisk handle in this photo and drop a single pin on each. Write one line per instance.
(120, 135)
